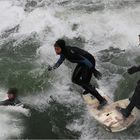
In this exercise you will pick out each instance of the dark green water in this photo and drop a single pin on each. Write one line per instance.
(28, 30)
(19, 68)
(51, 122)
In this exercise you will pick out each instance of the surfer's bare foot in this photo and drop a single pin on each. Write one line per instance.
(122, 111)
(102, 104)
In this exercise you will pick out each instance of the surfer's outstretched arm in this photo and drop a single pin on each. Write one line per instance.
(134, 69)
(4, 103)
(57, 64)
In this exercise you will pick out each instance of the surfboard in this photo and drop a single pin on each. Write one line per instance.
(109, 117)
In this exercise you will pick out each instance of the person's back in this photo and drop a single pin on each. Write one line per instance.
(77, 55)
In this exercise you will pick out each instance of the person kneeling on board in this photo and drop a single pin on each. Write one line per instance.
(12, 98)
(135, 99)
(83, 71)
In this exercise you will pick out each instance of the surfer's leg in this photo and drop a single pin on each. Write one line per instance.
(137, 95)
(76, 74)
(127, 111)
(96, 94)
(76, 77)
(82, 77)
(135, 101)
(86, 77)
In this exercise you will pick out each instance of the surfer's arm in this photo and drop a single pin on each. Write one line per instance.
(4, 103)
(58, 63)
(139, 68)
(1, 103)
(133, 69)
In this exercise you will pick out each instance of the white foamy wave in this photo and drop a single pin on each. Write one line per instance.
(10, 15)
(87, 126)
(100, 29)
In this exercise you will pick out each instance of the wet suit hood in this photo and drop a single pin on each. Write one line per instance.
(61, 43)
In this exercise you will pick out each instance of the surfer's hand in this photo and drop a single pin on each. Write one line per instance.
(132, 70)
(50, 68)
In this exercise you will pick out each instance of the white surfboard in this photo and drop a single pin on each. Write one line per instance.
(109, 116)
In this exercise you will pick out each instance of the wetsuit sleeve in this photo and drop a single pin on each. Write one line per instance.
(8, 102)
(139, 68)
(59, 62)
(133, 69)
(4, 103)
(17, 101)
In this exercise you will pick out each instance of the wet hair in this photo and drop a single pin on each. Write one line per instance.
(60, 43)
(12, 91)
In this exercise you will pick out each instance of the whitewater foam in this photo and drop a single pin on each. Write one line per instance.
(11, 123)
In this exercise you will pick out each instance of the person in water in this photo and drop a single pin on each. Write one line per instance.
(84, 69)
(135, 99)
(12, 98)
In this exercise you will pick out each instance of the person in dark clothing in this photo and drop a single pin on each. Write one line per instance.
(84, 69)
(12, 98)
(135, 99)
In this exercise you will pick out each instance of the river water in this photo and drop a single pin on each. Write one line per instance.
(108, 29)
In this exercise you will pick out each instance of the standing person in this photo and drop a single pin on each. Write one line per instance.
(135, 99)
(12, 98)
(84, 69)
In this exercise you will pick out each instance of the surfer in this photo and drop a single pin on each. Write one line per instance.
(135, 99)
(12, 98)
(84, 69)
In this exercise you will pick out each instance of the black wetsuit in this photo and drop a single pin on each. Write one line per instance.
(83, 71)
(135, 99)
(11, 102)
